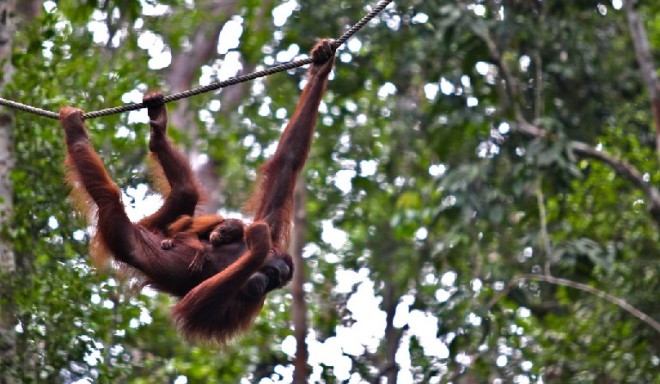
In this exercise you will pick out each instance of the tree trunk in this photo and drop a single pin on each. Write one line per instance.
(7, 260)
(646, 65)
(12, 12)
(389, 368)
(297, 285)
(182, 75)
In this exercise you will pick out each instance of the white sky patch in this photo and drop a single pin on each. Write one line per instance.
(369, 327)
(354, 45)
(53, 223)
(420, 18)
(49, 6)
(160, 61)
(46, 50)
(394, 22)
(437, 170)
(159, 55)
(464, 359)
(446, 87)
(421, 234)
(267, 152)
(524, 62)
(402, 312)
(93, 357)
(283, 11)
(333, 236)
(264, 110)
(368, 168)
(208, 73)
(133, 96)
(231, 65)
(523, 312)
(448, 278)
(345, 57)
(473, 319)
(387, 89)
(99, 29)
(123, 132)
(329, 352)
(442, 295)
(214, 105)
(431, 90)
(323, 107)
(617, 4)
(402, 357)
(145, 316)
(424, 326)
(152, 8)
(288, 345)
(285, 371)
(472, 101)
(478, 10)
(430, 279)
(310, 250)
(134, 117)
(346, 279)
(289, 54)
(504, 128)
(230, 35)
(145, 204)
(465, 81)
(482, 68)
(331, 258)
(343, 180)
(521, 379)
(108, 304)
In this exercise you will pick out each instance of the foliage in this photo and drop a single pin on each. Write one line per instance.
(418, 161)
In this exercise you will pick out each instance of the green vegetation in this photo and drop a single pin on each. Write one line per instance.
(462, 147)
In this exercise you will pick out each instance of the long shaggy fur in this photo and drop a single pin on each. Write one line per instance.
(222, 284)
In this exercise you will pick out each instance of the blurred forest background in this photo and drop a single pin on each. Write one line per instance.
(481, 203)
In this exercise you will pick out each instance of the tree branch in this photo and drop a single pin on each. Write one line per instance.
(299, 306)
(646, 65)
(621, 167)
(625, 170)
(621, 303)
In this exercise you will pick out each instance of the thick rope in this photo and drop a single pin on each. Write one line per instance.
(210, 87)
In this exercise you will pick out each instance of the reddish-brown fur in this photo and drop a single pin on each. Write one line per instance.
(220, 268)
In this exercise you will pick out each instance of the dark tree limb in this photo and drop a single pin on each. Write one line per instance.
(646, 65)
(299, 306)
(622, 168)
(621, 303)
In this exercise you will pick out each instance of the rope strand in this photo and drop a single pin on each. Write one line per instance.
(210, 87)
